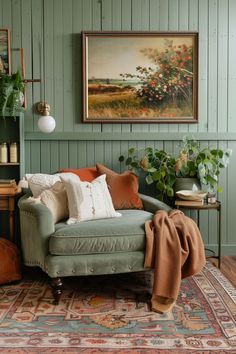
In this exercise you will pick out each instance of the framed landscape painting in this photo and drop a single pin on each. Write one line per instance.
(140, 77)
(5, 63)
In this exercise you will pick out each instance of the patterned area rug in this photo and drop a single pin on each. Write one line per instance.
(111, 314)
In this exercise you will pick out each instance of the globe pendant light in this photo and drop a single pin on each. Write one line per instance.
(46, 123)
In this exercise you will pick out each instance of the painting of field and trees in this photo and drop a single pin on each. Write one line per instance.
(140, 77)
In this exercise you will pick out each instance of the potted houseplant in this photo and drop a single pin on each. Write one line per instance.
(165, 169)
(11, 93)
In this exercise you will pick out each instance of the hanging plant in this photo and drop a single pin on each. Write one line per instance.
(11, 93)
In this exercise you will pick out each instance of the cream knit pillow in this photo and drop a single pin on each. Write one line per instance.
(38, 182)
(88, 201)
(55, 199)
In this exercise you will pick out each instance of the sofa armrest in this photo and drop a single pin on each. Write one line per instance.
(152, 205)
(36, 222)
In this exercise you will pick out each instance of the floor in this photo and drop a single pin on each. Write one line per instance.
(228, 267)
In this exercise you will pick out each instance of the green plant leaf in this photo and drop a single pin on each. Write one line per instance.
(163, 173)
(171, 180)
(151, 169)
(134, 164)
(161, 186)
(128, 161)
(149, 150)
(131, 151)
(149, 179)
(156, 176)
(121, 158)
(170, 192)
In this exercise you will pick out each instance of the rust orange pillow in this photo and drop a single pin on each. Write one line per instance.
(122, 187)
(86, 174)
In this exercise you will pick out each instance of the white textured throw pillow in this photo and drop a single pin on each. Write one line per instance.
(55, 199)
(38, 182)
(88, 201)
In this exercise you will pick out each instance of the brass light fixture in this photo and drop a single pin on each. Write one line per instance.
(46, 123)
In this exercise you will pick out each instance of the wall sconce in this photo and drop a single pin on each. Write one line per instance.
(46, 123)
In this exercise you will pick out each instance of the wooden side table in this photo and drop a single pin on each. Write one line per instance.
(215, 206)
(8, 203)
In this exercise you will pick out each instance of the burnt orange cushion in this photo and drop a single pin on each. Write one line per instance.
(87, 174)
(122, 187)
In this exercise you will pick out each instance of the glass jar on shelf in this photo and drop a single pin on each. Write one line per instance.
(13, 152)
(3, 153)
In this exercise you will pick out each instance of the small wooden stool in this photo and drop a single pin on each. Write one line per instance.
(10, 265)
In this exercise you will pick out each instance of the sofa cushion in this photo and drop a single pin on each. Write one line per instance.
(38, 182)
(56, 200)
(122, 187)
(122, 234)
(85, 174)
(88, 201)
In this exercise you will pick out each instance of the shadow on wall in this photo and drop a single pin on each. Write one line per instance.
(148, 189)
(77, 78)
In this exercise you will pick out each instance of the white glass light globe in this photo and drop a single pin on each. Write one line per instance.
(46, 124)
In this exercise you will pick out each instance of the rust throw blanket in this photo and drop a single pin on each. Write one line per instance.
(174, 248)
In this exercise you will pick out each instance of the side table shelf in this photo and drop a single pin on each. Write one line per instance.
(8, 203)
(198, 208)
(9, 164)
(12, 130)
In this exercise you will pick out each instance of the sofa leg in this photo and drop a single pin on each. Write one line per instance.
(57, 286)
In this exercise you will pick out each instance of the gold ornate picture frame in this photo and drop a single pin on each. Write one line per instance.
(140, 77)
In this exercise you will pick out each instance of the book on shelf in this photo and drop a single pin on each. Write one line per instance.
(7, 181)
(189, 202)
(8, 186)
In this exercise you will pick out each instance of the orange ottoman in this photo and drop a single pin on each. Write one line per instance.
(10, 266)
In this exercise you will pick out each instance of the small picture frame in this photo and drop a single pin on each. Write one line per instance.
(5, 57)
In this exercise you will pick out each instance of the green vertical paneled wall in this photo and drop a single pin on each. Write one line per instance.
(50, 33)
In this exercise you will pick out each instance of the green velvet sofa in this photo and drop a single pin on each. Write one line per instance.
(105, 246)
